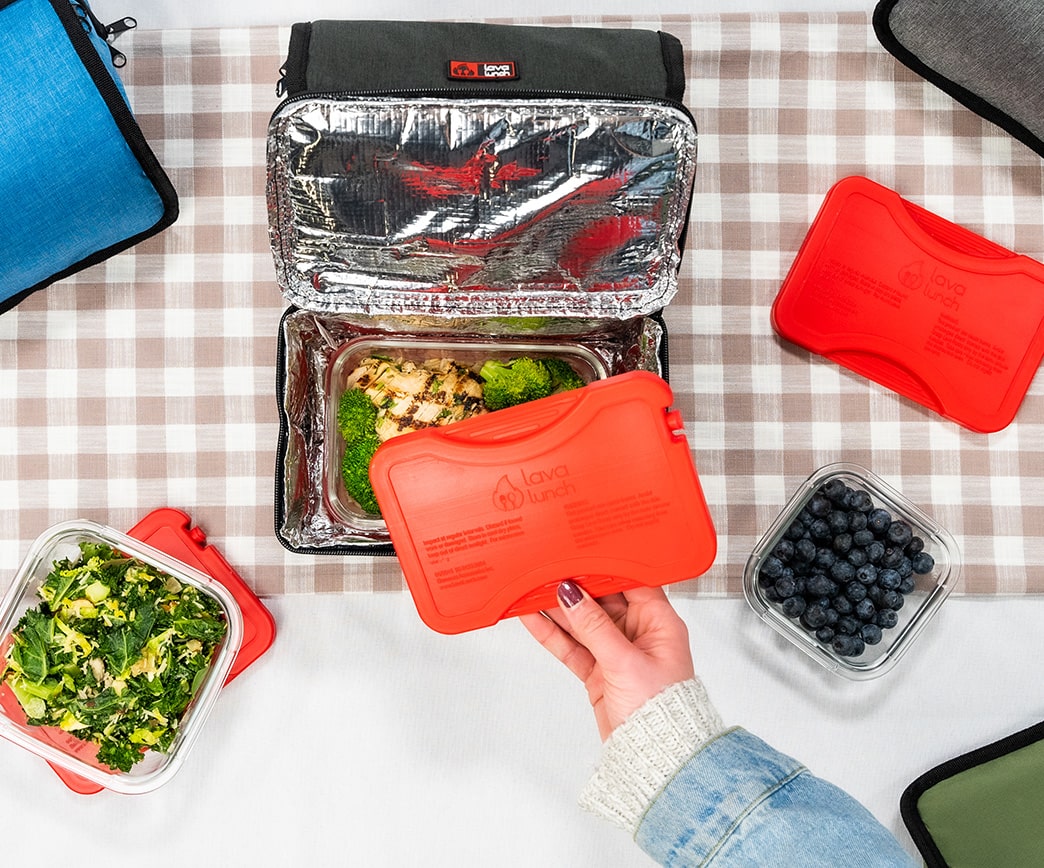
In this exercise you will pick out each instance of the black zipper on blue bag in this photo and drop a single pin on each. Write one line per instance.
(108, 32)
(78, 19)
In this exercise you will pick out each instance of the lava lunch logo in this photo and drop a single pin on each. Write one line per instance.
(932, 283)
(503, 70)
(513, 491)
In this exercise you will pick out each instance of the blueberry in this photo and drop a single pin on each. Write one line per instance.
(786, 587)
(819, 585)
(842, 571)
(772, 567)
(825, 558)
(847, 625)
(855, 591)
(857, 521)
(805, 550)
(838, 522)
(878, 521)
(875, 551)
(922, 563)
(867, 574)
(871, 634)
(783, 550)
(874, 593)
(842, 605)
(907, 585)
(905, 567)
(856, 557)
(865, 610)
(848, 646)
(819, 506)
(834, 490)
(842, 644)
(819, 529)
(825, 635)
(892, 558)
(814, 617)
(862, 538)
(915, 545)
(793, 607)
(842, 543)
(892, 600)
(795, 531)
(899, 533)
(859, 501)
(889, 579)
(887, 618)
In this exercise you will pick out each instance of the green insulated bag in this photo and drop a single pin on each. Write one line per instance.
(78, 182)
(984, 809)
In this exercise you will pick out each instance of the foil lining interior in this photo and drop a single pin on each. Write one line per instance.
(444, 209)
(311, 341)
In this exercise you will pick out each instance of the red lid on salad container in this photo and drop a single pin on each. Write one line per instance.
(916, 303)
(171, 531)
(488, 515)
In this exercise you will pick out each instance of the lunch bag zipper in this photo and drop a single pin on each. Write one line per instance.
(481, 94)
(108, 32)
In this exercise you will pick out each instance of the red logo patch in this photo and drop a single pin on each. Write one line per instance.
(470, 70)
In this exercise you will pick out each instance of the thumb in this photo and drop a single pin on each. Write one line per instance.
(589, 623)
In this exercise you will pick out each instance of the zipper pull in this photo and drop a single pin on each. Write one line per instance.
(111, 31)
(108, 33)
(117, 28)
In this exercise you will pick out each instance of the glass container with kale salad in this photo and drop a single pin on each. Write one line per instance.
(111, 655)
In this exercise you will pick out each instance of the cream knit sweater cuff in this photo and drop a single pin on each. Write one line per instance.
(647, 750)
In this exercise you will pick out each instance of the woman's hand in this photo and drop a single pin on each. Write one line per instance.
(626, 648)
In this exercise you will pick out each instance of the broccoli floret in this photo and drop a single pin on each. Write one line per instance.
(355, 470)
(563, 377)
(515, 382)
(356, 415)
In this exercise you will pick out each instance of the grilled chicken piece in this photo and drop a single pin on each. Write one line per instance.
(410, 396)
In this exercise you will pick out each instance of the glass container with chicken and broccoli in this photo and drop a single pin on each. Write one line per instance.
(382, 387)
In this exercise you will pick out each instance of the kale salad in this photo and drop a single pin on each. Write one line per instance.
(113, 654)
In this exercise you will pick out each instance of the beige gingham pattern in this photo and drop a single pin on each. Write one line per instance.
(148, 380)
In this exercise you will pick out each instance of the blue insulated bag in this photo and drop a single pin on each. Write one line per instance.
(78, 182)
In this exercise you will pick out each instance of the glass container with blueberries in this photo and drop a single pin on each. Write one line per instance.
(851, 571)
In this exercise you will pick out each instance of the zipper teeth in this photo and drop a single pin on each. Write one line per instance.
(473, 93)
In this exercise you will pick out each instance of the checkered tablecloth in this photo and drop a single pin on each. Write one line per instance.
(149, 380)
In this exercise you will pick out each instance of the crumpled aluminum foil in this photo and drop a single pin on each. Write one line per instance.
(426, 208)
(311, 341)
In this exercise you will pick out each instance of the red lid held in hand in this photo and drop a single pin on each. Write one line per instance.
(488, 515)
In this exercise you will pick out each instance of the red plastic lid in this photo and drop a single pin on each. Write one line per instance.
(488, 515)
(916, 303)
(171, 531)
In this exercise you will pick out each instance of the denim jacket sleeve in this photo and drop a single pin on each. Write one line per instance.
(693, 793)
(739, 802)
